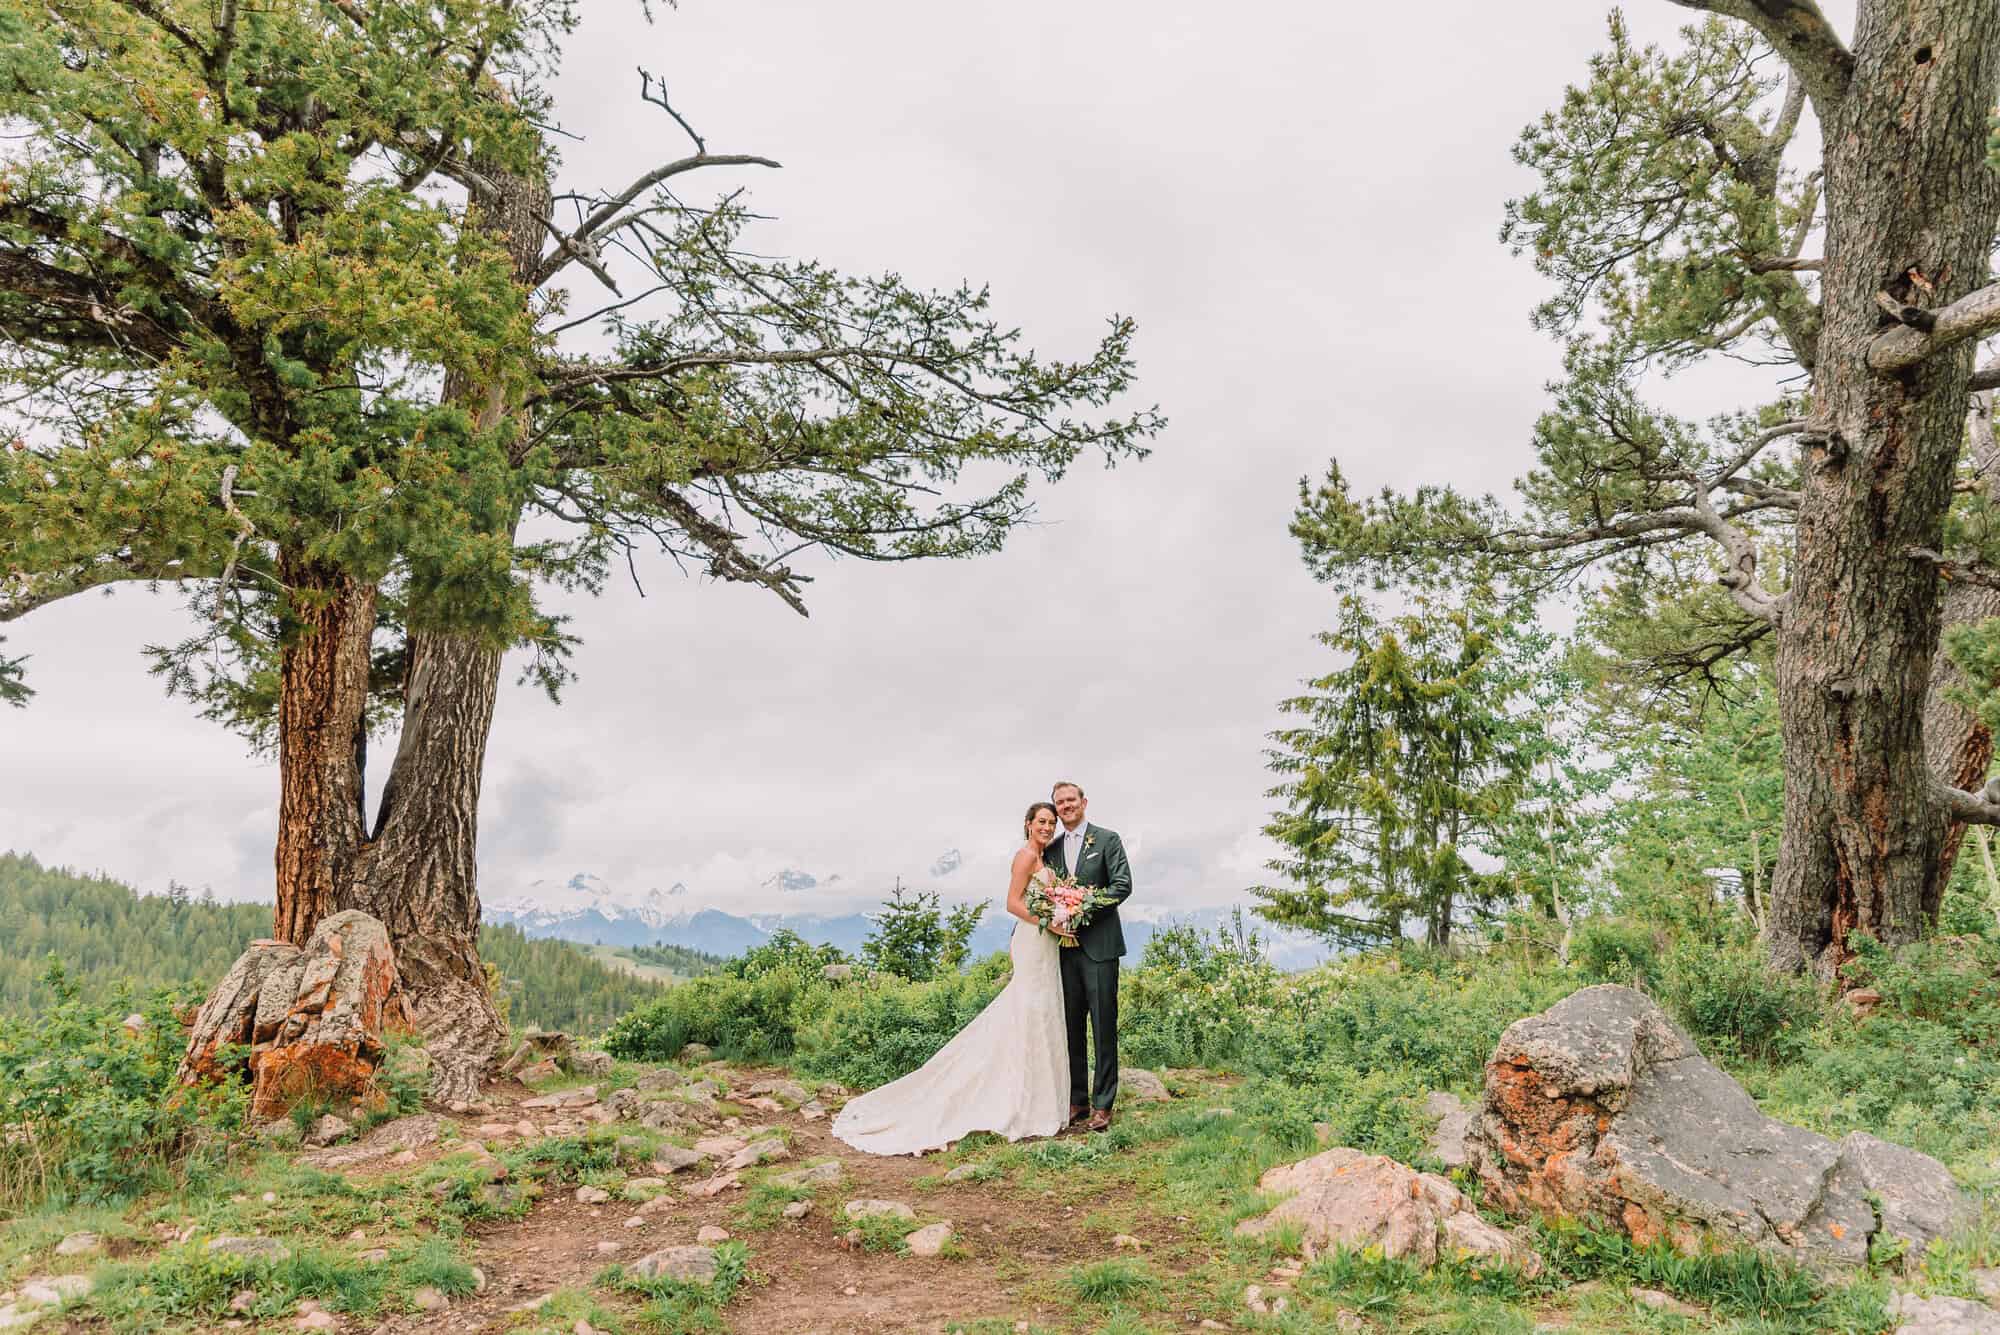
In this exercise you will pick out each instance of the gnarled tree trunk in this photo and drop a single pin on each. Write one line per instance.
(1911, 208)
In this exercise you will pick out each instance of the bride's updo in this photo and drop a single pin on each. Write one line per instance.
(1029, 819)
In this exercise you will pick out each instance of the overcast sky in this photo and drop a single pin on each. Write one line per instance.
(1298, 203)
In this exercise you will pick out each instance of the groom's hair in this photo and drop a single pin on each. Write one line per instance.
(1061, 784)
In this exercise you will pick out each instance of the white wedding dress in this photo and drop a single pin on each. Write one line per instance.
(1006, 1072)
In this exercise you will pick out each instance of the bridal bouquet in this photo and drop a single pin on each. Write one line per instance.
(1063, 907)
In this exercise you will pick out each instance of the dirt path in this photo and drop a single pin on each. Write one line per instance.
(802, 1278)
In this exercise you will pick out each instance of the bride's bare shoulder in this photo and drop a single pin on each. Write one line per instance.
(1027, 857)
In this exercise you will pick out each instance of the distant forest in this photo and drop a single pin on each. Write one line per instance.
(106, 934)
(681, 959)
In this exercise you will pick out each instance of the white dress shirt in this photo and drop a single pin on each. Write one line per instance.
(1073, 846)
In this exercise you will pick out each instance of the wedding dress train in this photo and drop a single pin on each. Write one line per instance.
(1006, 1072)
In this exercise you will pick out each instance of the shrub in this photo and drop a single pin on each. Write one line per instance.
(91, 1112)
(1618, 950)
(1198, 999)
(786, 950)
(866, 1036)
(742, 1016)
(1733, 1006)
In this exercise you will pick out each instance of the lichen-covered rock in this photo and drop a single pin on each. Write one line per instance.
(1138, 1085)
(690, 1265)
(1344, 1198)
(313, 1019)
(403, 1134)
(1600, 1108)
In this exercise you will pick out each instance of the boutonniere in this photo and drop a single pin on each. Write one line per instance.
(1088, 840)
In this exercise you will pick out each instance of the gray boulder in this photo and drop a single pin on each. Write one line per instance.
(1600, 1108)
(1942, 1316)
(690, 1265)
(1454, 1121)
(1139, 1085)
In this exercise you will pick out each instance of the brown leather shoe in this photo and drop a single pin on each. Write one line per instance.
(1101, 1120)
(1077, 1112)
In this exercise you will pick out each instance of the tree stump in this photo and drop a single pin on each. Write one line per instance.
(313, 1019)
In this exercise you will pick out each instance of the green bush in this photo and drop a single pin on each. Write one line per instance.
(1618, 950)
(1197, 999)
(915, 938)
(1733, 1006)
(868, 1035)
(92, 1112)
(785, 951)
(746, 1018)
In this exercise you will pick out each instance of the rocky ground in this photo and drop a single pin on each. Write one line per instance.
(706, 1196)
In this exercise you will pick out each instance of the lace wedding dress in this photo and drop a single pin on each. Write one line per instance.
(1006, 1072)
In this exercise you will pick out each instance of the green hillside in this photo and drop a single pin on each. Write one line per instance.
(105, 933)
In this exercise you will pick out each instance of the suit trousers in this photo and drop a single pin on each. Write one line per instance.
(1090, 992)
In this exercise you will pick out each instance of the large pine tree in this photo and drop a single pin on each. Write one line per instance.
(1683, 217)
(284, 330)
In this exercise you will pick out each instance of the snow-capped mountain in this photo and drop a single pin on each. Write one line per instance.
(589, 910)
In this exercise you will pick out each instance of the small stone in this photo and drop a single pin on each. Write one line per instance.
(493, 1130)
(80, 1244)
(536, 1073)
(317, 1321)
(610, 1247)
(764, 1104)
(326, 1130)
(270, 1198)
(428, 1299)
(478, 1280)
(1664, 1302)
(269, 1249)
(811, 1176)
(812, 1110)
(133, 1024)
(1253, 1298)
(962, 1172)
(588, 1061)
(56, 1289)
(690, 1265)
(533, 1304)
(1279, 1304)
(696, 1052)
(1987, 1282)
(878, 1209)
(714, 1186)
(798, 1209)
(592, 1195)
(930, 1240)
(764, 1151)
(720, 1146)
(583, 1327)
(243, 1301)
(373, 1256)
(635, 1221)
(524, 1127)
(1142, 1086)
(850, 1291)
(1125, 1242)
(671, 1159)
(709, 1233)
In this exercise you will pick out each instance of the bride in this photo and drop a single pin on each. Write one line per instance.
(1007, 1071)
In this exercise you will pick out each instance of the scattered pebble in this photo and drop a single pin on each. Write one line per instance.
(592, 1195)
(80, 1244)
(798, 1209)
(1125, 1242)
(428, 1299)
(710, 1233)
(929, 1240)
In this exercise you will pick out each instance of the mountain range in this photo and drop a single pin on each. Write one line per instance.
(587, 910)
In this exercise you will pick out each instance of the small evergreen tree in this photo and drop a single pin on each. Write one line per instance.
(1404, 761)
(917, 939)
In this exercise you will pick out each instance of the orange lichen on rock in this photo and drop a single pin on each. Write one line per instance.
(313, 1018)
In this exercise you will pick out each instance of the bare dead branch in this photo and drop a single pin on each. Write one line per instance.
(1972, 316)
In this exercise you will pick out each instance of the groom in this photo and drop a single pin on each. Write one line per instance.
(1096, 858)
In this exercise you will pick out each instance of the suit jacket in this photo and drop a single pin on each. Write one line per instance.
(1103, 867)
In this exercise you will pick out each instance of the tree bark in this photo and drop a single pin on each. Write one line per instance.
(1959, 746)
(322, 708)
(1908, 189)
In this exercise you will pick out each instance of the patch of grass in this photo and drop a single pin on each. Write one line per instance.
(436, 1264)
(678, 1306)
(190, 1282)
(1106, 1282)
(883, 1232)
(765, 1205)
(564, 1308)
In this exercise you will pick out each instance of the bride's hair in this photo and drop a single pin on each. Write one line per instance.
(1029, 819)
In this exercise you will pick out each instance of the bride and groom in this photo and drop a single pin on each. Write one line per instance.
(1018, 1069)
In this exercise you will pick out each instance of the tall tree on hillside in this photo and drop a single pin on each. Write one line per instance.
(1668, 209)
(1406, 761)
(285, 328)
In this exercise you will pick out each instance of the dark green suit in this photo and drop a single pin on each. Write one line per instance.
(1090, 968)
